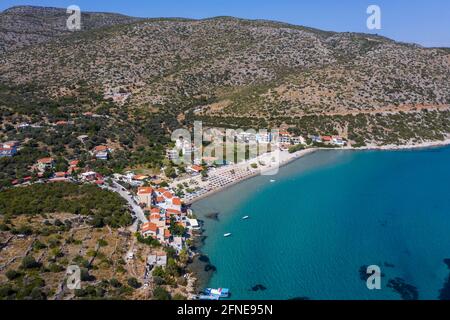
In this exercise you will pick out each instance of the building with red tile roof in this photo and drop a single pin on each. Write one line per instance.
(149, 229)
(45, 163)
(145, 196)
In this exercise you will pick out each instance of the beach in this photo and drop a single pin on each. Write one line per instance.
(226, 176)
(323, 232)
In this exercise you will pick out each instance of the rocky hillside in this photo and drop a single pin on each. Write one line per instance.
(27, 25)
(230, 71)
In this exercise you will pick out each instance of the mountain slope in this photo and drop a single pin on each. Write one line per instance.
(253, 67)
(28, 25)
(149, 77)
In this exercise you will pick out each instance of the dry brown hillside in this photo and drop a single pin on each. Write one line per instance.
(259, 72)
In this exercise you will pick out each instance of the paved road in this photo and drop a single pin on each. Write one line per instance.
(137, 210)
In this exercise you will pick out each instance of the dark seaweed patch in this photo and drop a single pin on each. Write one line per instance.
(213, 216)
(406, 291)
(363, 273)
(444, 293)
(210, 267)
(258, 287)
(203, 258)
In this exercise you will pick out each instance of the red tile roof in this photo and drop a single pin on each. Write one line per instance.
(74, 163)
(100, 148)
(45, 160)
(173, 211)
(145, 190)
(176, 201)
(197, 168)
(149, 226)
(60, 174)
(168, 195)
(155, 216)
(155, 210)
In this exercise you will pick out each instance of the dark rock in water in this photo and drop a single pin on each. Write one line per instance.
(406, 291)
(213, 216)
(363, 273)
(203, 239)
(259, 287)
(444, 293)
(447, 262)
(210, 267)
(203, 258)
(389, 265)
(300, 299)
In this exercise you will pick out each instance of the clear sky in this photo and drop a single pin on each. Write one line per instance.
(426, 22)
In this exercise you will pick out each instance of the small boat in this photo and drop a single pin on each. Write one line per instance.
(217, 293)
(226, 235)
(272, 181)
(245, 218)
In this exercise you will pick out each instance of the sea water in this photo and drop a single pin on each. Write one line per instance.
(328, 215)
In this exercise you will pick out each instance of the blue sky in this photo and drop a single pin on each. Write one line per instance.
(419, 21)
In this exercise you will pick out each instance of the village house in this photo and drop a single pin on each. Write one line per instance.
(8, 149)
(298, 140)
(73, 166)
(264, 138)
(83, 138)
(284, 137)
(145, 196)
(89, 176)
(59, 177)
(101, 152)
(177, 243)
(157, 260)
(149, 229)
(45, 164)
(338, 141)
(193, 224)
(195, 169)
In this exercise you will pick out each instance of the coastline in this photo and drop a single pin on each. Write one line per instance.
(200, 269)
(286, 158)
(283, 162)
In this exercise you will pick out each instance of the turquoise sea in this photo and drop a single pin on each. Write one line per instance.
(327, 215)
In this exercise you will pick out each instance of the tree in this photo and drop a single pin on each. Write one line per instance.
(115, 283)
(161, 294)
(29, 262)
(134, 283)
(12, 274)
(170, 172)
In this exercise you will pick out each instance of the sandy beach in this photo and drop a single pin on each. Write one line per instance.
(225, 177)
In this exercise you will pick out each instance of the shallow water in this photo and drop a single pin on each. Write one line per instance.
(327, 215)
